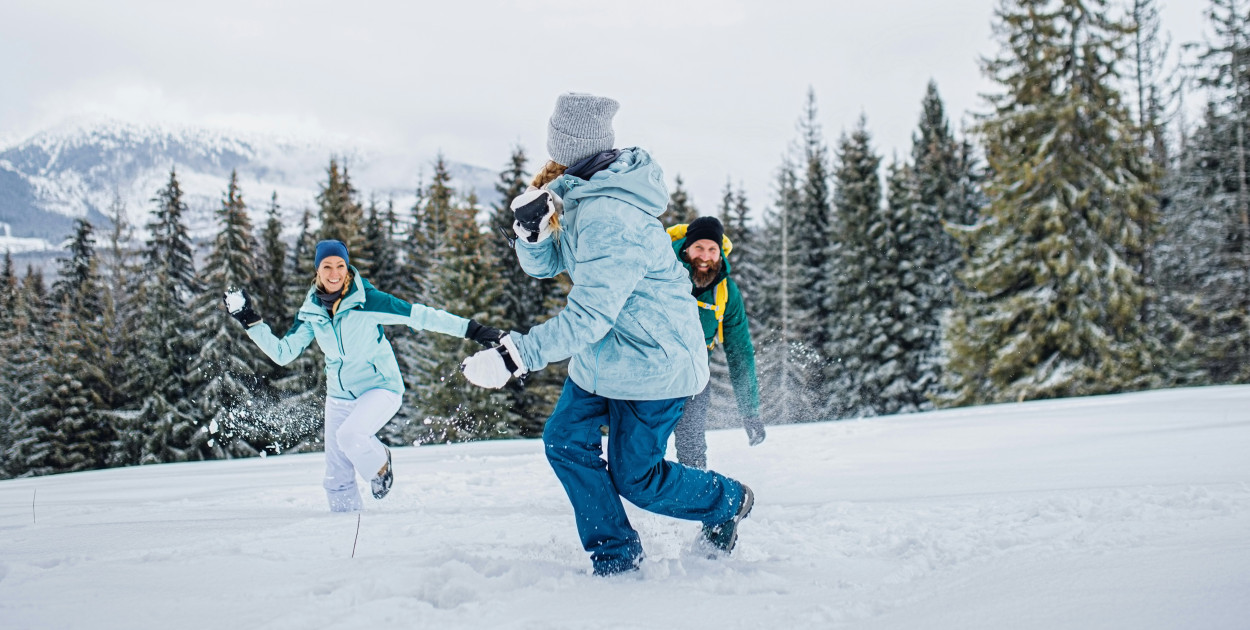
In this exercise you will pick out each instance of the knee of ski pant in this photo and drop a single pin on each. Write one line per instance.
(350, 441)
(562, 442)
(638, 485)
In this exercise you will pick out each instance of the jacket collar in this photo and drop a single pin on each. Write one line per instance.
(355, 297)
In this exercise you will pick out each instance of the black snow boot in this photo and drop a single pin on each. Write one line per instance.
(722, 537)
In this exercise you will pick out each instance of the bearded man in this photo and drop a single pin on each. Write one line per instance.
(703, 248)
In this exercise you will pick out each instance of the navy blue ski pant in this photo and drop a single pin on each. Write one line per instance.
(635, 469)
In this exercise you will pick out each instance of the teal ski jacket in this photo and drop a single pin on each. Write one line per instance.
(358, 354)
(630, 324)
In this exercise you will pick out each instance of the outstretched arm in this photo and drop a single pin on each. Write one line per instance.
(283, 350)
(389, 309)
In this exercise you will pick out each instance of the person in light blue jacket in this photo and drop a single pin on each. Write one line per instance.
(345, 314)
(631, 328)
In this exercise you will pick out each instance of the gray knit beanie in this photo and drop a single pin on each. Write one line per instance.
(580, 127)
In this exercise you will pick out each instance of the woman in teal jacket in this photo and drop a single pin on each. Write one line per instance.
(632, 330)
(345, 314)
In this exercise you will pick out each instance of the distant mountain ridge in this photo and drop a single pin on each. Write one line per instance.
(78, 169)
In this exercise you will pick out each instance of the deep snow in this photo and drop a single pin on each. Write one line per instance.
(1129, 511)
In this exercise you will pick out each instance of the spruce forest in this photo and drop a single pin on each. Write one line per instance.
(1083, 236)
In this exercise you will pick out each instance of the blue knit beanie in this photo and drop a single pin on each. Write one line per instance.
(330, 248)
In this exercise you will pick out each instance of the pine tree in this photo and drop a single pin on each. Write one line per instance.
(23, 362)
(271, 269)
(944, 191)
(78, 280)
(782, 359)
(342, 217)
(1053, 299)
(680, 208)
(813, 259)
(223, 373)
(463, 282)
(414, 253)
(525, 303)
(865, 342)
(380, 253)
(166, 427)
(63, 430)
(120, 326)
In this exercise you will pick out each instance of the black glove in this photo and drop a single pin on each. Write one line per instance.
(240, 307)
(755, 429)
(485, 335)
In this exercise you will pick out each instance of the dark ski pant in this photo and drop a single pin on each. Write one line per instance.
(690, 435)
(635, 469)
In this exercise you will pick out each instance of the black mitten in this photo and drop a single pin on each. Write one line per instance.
(240, 307)
(485, 335)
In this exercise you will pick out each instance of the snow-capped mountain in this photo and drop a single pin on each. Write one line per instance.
(81, 167)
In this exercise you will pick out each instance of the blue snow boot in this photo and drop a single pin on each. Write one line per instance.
(381, 484)
(617, 566)
(722, 537)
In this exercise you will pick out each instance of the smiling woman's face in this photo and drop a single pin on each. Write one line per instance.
(332, 273)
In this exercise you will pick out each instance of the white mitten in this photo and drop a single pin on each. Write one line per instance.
(491, 368)
(533, 210)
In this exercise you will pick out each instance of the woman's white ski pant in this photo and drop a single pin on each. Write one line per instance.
(351, 444)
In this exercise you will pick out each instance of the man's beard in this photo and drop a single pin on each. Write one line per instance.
(705, 278)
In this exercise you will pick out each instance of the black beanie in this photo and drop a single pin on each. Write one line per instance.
(704, 227)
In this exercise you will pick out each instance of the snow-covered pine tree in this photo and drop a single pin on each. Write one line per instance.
(342, 217)
(865, 342)
(815, 313)
(24, 341)
(680, 208)
(9, 394)
(782, 360)
(271, 268)
(227, 391)
(381, 250)
(121, 322)
(62, 429)
(943, 192)
(1053, 300)
(525, 301)
(77, 272)
(424, 253)
(414, 253)
(1203, 258)
(166, 427)
(455, 410)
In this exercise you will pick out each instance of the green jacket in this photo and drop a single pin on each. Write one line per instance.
(739, 352)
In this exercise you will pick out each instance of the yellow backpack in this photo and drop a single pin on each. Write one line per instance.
(678, 232)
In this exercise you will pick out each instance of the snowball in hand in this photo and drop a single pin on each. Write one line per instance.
(235, 301)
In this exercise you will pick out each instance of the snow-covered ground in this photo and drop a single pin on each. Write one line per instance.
(1128, 511)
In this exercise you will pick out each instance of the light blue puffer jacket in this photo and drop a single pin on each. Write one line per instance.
(630, 325)
(358, 355)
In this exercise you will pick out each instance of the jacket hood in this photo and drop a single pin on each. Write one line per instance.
(633, 178)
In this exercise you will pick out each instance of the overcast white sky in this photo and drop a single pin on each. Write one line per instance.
(713, 88)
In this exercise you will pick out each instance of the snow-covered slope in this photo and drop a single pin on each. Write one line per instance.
(79, 168)
(1128, 511)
